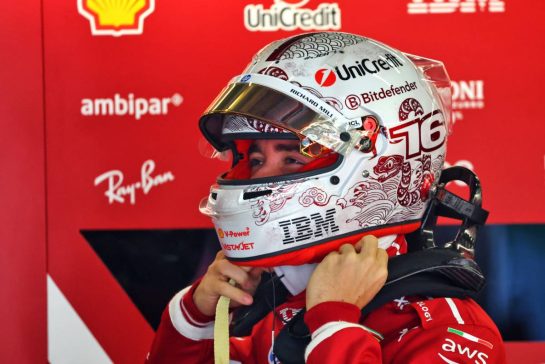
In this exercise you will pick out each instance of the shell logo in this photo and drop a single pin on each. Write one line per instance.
(221, 234)
(116, 18)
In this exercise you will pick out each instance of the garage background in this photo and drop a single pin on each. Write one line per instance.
(103, 170)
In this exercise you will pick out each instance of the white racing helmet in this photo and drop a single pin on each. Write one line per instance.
(374, 119)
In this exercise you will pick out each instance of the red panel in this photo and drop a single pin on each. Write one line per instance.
(22, 192)
(525, 352)
(192, 49)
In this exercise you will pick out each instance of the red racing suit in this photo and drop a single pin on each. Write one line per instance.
(406, 330)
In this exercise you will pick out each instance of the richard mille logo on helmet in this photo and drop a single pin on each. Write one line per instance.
(451, 6)
(132, 106)
(290, 15)
(368, 66)
(116, 18)
(304, 228)
(308, 99)
(117, 191)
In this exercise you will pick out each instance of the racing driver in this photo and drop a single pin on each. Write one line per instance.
(337, 144)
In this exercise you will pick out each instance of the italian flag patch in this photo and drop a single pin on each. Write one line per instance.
(470, 337)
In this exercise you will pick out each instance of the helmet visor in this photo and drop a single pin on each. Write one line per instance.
(291, 108)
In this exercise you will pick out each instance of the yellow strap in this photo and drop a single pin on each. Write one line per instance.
(221, 330)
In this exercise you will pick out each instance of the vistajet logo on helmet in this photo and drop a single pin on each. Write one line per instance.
(116, 18)
(136, 107)
(452, 6)
(290, 15)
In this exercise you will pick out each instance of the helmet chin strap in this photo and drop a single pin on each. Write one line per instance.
(295, 277)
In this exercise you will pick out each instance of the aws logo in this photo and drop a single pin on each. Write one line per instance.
(449, 345)
(116, 18)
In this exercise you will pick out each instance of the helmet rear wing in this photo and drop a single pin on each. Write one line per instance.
(436, 75)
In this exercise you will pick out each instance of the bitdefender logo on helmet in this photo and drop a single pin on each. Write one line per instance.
(291, 15)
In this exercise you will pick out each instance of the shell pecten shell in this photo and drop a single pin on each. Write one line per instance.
(116, 13)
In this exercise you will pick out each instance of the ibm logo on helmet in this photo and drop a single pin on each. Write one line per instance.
(305, 228)
(290, 15)
(452, 6)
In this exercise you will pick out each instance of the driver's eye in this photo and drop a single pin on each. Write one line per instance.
(254, 162)
(290, 160)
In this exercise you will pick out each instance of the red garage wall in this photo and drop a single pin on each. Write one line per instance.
(22, 186)
(182, 53)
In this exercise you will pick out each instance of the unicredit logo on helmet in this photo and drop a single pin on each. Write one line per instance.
(325, 77)
(368, 66)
